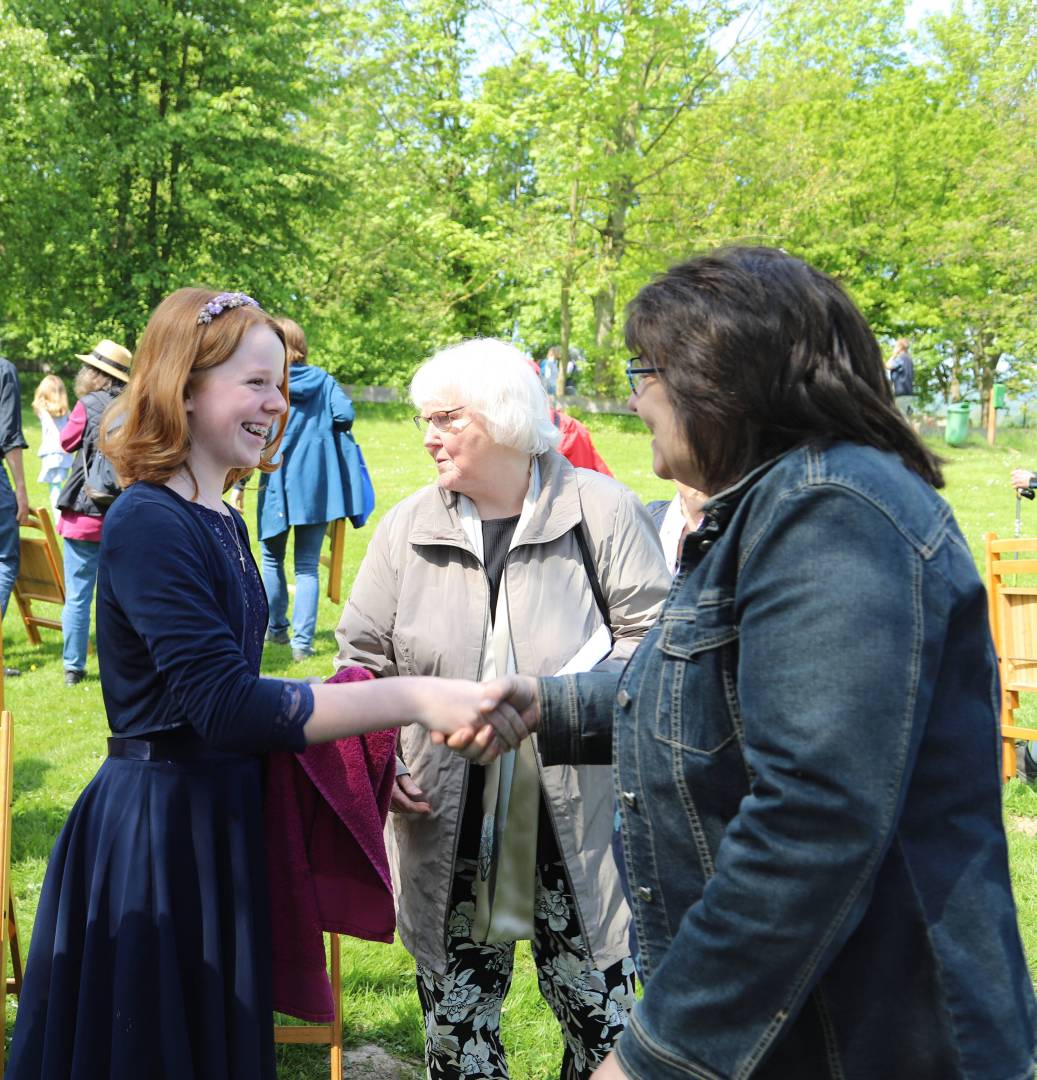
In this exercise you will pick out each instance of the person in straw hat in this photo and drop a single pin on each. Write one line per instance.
(105, 371)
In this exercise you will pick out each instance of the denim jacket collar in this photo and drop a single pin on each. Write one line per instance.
(719, 510)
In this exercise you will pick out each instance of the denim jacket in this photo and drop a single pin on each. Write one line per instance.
(805, 754)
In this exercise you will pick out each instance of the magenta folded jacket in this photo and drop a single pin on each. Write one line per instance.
(326, 863)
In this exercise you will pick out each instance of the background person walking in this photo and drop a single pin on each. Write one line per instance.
(50, 404)
(318, 482)
(901, 368)
(105, 371)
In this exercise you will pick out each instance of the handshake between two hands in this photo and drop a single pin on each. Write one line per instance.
(481, 721)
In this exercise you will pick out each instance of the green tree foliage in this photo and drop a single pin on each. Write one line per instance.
(399, 174)
(411, 260)
(174, 157)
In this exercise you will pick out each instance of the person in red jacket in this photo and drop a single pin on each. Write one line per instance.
(576, 444)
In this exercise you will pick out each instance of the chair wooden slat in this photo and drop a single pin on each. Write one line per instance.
(333, 560)
(329, 1035)
(1018, 544)
(1012, 609)
(1015, 566)
(1012, 731)
(41, 574)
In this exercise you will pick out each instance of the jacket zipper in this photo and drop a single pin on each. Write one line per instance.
(543, 793)
(467, 774)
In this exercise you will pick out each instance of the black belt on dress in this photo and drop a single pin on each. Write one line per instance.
(167, 749)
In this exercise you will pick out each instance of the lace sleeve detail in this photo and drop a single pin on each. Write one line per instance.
(293, 710)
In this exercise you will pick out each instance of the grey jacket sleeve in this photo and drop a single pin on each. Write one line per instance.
(633, 573)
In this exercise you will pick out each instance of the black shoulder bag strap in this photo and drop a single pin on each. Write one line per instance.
(592, 575)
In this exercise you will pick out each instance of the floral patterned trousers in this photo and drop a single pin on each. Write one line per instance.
(463, 1007)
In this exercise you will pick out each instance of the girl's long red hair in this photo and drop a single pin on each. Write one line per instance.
(145, 434)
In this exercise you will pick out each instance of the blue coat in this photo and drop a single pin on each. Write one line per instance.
(805, 751)
(320, 476)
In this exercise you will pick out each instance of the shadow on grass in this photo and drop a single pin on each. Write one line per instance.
(402, 1033)
(34, 831)
(22, 654)
(29, 774)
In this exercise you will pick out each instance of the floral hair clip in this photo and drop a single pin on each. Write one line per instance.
(225, 301)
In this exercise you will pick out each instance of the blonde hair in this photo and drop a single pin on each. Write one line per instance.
(294, 341)
(51, 397)
(144, 433)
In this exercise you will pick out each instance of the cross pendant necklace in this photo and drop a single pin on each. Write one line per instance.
(225, 518)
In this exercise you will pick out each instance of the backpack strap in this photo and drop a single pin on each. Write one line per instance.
(592, 574)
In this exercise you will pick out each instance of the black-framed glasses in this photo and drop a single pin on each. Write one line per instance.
(637, 373)
(441, 421)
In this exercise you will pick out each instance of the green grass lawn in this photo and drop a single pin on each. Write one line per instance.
(60, 732)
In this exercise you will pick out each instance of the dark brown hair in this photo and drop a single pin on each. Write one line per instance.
(760, 352)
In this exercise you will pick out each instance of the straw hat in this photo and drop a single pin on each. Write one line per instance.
(110, 358)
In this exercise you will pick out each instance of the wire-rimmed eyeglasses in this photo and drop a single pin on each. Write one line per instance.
(637, 373)
(441, 421)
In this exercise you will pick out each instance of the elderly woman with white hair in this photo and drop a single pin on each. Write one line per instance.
(512, 561)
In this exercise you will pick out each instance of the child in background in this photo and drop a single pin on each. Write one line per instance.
(50, 404)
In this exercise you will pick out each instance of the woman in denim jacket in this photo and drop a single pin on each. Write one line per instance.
(805, 746)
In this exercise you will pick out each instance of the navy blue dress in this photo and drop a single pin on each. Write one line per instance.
(150, 954)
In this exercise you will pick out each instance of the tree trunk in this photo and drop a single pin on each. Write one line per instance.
(565, 314)
(565, 294)
(621, 195)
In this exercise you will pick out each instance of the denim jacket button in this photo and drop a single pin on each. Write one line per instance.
(705, 545)
(622, 699)
(644, 893)
(630, 798)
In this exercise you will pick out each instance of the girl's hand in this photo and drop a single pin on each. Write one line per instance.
(447, 706)
(458, 709)
(511, 712)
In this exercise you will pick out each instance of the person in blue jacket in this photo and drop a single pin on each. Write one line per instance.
(318, 482)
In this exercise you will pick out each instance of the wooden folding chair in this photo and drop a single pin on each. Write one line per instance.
(333, 560)
(41, 575)
(1012, 598)
(321, 1034)
(8, 926)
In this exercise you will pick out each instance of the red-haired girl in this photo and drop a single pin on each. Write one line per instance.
(150, 953)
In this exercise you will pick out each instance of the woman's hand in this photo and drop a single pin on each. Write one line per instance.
(1021, 478)
(511, 712)
(407, 797)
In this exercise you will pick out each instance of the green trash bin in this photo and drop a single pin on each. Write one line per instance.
(999, 395)
(957, 423)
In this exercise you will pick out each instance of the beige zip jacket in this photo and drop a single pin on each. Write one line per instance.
(420, 606)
